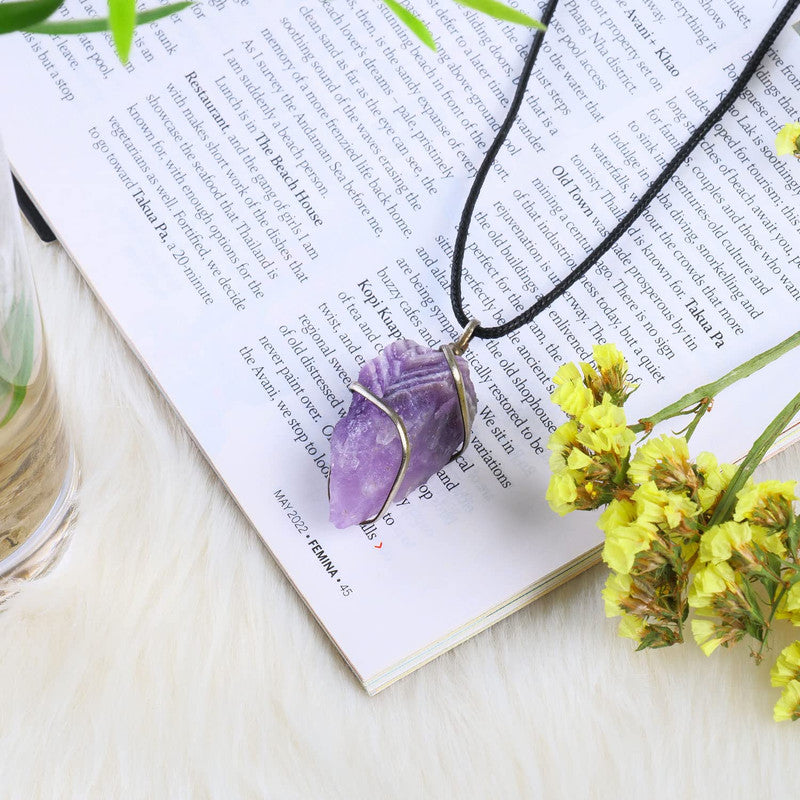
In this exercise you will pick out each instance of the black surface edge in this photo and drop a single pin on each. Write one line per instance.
(43, 230)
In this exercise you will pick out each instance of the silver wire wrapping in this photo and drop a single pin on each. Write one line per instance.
(405, 443)
(450, 351)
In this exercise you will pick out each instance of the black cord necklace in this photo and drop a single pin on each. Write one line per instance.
(388, 444)
(611, 239)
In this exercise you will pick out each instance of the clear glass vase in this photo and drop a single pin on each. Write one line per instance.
(38, 473)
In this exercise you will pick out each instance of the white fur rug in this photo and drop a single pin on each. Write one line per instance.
(168, 657)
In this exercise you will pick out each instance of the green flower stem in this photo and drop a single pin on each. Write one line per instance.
(704, 394)
(768, 625)
(702, 408)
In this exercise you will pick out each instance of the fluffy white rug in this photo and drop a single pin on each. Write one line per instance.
(167, 656)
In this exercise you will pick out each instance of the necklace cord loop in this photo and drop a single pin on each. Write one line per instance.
(459, 247)
(461, 344)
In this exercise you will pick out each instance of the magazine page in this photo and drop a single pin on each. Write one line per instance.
(267, 196)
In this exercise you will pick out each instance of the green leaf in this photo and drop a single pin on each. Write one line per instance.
(755, 630)
(755, 605)
(21, 330)
(412, 22)
(28, 342)
(774, 562)
(17, 398)
(18, 15)
(501, 11)
(764, 577)
(70, 26)
(6, 389)
(793, 535)
(727, 502)
(122, 18)
(17, 336)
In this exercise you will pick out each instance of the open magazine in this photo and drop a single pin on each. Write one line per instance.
(268, 194)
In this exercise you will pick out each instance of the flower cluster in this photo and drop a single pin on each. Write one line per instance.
(589, 452)
(676, 539)
(786, 674)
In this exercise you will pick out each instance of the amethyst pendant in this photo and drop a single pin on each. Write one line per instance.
(420, 386)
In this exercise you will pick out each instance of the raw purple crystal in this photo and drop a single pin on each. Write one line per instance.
(415, 382)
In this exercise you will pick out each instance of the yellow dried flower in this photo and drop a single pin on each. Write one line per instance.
(624, 542)
(604, 415)
(567, 373)
(605, 429)
(578, 460)
(769, 542)
(562, 492)
(768, 503)
(613, 371)
(609, 359)
(571, 394)
(790, 605)
(705, 634)
(786, 140)
(711, 580)
(788, 707)
(562, 440)
(563, 436)
(632, 627)
(657, 504)
(665, 461)
(659, 507)
(716, 478)
(608, 440)
(618, 512)
(590, 375)
(618, 587)
(787, 667)
(718, 542)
